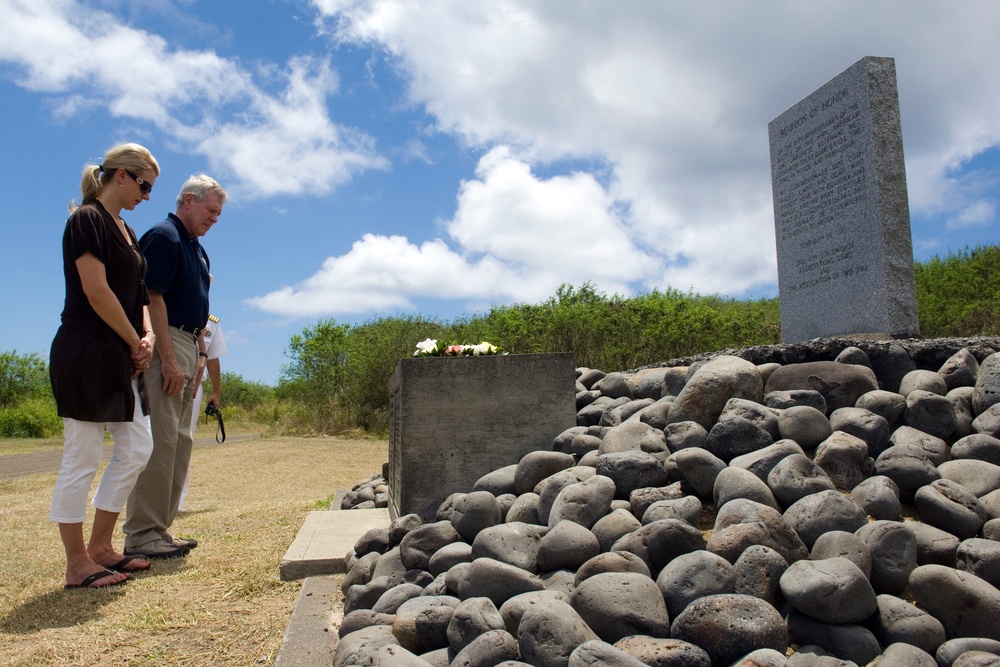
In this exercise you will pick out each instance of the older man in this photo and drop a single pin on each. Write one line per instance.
(178, 282)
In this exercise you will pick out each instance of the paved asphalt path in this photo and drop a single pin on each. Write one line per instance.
(17, 465)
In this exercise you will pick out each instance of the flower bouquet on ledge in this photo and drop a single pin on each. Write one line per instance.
(432, 348)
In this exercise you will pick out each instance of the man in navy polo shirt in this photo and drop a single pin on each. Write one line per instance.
(178, 282)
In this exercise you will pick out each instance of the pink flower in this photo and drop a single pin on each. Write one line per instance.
(454, 350)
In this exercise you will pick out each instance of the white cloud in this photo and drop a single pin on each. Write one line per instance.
(82, 54)
(977, 214)
(675, 98)
(516, 237)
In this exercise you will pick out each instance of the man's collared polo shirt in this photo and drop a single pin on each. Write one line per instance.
(178, 268)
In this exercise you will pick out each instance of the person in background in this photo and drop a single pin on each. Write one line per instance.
(215, 347)
(103, 344)
(178, 306)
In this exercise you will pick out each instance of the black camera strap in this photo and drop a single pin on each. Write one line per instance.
(212, 411)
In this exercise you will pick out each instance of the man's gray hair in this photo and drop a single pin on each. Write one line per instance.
(199, 185)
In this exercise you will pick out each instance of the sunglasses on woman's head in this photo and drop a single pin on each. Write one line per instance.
(144, 187)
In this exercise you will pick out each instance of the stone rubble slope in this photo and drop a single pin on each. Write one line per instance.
(733, 511)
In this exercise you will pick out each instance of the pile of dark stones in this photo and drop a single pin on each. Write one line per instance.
(371, 493)
(730, 511)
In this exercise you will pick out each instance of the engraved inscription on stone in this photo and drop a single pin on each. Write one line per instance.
(841, 218)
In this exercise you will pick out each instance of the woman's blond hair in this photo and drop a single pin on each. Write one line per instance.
(130, 157)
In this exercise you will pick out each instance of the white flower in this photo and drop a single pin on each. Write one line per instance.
(427, 346)
(483, 349)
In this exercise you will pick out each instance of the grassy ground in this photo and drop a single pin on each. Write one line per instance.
(222, 605)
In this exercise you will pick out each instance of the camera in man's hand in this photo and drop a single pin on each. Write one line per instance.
(212, 411)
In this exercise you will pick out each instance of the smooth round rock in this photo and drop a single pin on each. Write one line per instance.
(845, 459)
(988, 421)
(497, 482)
(960, 370)
(524, 509)
(361, 647)
(966, 605)
(684, 434)
(784, 399)
(847, 642)
(879, 498)
(934, 546)
(615, 561)
(909, 467)
(498, 581)
(692, 576)
(734, 482)
(950, 651)
(705, 394)
(923, 380)
(839, 384)
(742, 523)
(981, 558)
(631, 470)
(979, 477)
(753, 411)
(795, 477)
(729, 626)
(866, 425)
(888, 404)
(596, 653)
(832, 590)
(951, 507)
(894, 554)
(417, 547)
(699, 468)
(987, 391)
(899, 621)
(736, 436)
(660, 542)
(487, 649)
(906, 655)
(930, 413)
(805, 425)
(842, 544)
(473, 512)
(514, 543)
(935, 448)
(513, 609)
(758, 573)
(471, 618)
(621, 604)
(536, 466)
(549, 632)
(664, 652)
(584, 503)
(761, 462)
(687, 509)
(822, 512)
(977, 446)
(611, 527)
(566, 546)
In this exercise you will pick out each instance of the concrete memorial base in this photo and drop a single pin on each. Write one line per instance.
(454, 419)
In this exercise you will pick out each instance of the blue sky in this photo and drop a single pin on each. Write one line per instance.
(438, 157)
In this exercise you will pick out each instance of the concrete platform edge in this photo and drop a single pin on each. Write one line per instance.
(311, 637)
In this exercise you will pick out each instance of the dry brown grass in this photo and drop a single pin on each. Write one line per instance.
(222, 605)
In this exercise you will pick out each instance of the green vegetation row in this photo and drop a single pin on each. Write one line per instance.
(337, 378)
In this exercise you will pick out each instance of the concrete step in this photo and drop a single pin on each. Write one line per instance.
(325, 538)
(316, 556)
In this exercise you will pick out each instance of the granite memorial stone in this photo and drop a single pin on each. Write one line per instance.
(841, 215)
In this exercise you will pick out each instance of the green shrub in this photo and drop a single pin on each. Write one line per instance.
(22, 377)
(959, 295)
(31, 418)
